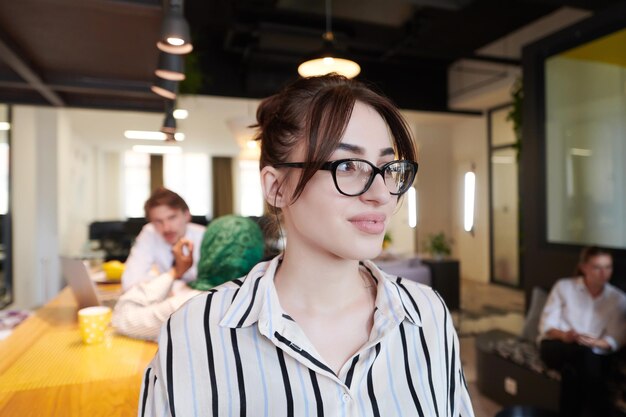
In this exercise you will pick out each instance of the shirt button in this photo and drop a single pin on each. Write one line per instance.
(346, 398)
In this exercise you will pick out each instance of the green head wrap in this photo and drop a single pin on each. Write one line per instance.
(231, 246)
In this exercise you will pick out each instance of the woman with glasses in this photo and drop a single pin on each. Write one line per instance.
(319, 330)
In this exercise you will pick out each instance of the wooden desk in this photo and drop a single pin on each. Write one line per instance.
(45, 370)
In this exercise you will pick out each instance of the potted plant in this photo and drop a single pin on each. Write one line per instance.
(438, 245)
(387, 240)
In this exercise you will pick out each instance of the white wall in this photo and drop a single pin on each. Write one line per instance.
(434, 181)
(469, 149)
(77, 175)
(35, 142)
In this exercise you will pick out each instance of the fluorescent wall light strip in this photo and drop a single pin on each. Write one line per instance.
(412, 205)
(150, 135)
(580, 152)
(5, 125)
(181, 114)
(157, 149)
(470, 190)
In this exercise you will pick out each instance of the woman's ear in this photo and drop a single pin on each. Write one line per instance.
(272, 184)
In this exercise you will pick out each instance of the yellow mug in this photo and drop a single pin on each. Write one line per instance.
(93, 323)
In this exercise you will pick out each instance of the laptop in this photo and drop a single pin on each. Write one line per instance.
(77, 277)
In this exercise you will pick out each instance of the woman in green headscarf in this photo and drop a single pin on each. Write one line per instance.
(231, 246)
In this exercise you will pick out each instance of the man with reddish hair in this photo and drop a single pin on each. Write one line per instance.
(169, 229)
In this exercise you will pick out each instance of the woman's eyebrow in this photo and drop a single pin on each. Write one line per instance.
(361, 151)
(351, 148)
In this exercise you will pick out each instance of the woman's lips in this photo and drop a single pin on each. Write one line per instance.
(373, 224)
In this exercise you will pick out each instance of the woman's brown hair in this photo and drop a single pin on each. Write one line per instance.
(317, 110)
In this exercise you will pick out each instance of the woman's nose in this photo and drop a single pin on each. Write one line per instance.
(378, 191)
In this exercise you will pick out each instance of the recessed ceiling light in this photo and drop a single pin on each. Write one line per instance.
(181, 114)
(157, 149)
(144, 134)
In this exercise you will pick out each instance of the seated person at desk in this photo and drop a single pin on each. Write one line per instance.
(169, 223)
(582, 324)
(231, 246)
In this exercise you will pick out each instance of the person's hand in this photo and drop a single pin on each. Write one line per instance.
(569, 336)
(183, 257)
(592, 342)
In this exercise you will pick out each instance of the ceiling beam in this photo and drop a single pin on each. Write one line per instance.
(144, 3)
(92, 85)
(88, 86)
(24, 70)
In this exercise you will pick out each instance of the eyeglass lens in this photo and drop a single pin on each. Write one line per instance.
(355, 177)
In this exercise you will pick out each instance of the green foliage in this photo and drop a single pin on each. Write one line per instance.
(515, 114)
(438, 244)
(192, 84)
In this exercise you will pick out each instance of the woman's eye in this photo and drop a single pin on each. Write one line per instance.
(348, 166)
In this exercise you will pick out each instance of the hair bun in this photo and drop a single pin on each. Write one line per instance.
(268, 111)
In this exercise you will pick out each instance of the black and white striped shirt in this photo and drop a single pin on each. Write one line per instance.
(234, 352)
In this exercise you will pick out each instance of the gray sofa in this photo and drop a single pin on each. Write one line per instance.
(510, 371)
(508, 367)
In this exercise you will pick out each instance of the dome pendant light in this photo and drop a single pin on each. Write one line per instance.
(169, 122)
(328, 60)
(175, 38)
(170, 67)
(165, 88)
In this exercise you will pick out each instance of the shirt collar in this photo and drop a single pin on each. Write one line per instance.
(581, 286)
(392, 298)
(257, 301)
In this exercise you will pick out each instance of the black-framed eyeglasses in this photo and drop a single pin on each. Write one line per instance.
(354, 176)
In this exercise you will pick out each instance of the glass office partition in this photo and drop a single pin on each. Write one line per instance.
(504, 174)
(585, 131)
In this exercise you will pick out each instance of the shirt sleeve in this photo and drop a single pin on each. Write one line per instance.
(551, 315)
(195, 234)
(141, 311)
(139, 263)
(616, 326)
(153, 397)
(462, 402)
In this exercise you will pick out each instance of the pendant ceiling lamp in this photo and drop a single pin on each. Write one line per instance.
(165, 88)
(328, 59)
(175, 38)
(170, 67)
(169, 123)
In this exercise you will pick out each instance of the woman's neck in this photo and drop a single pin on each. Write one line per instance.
(320, 282)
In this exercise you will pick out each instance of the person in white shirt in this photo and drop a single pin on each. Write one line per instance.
(151, 254)
(582, 324)
(231, 246)
(320, 329)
